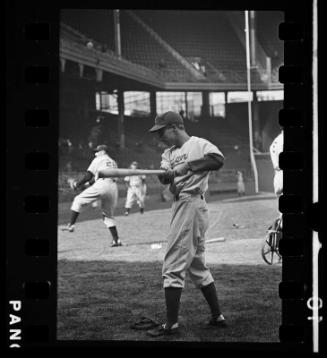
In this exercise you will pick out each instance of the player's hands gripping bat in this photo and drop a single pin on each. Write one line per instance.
(167, 177)
(182, 169)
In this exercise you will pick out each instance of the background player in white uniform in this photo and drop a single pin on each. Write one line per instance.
(275, 149)
(187, 164)
(103, 189)
(240, 183)
(136, 190)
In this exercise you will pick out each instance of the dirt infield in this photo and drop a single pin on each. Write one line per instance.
(242, 222)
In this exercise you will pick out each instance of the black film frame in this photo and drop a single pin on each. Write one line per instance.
(32, 84)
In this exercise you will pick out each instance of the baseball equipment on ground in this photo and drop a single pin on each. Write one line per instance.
(156, 246)
(144, 323)
(115, 173)
(217, 239)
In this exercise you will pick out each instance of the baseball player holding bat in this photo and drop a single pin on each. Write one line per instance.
(103, 189)
(187, 164)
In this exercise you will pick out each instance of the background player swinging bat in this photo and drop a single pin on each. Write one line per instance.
(119, 172)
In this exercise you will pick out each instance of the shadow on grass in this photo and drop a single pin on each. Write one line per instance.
(99, 300)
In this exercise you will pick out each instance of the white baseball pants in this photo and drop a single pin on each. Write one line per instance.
(105, 190)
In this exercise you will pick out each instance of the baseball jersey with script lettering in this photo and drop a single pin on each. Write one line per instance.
(193, 149)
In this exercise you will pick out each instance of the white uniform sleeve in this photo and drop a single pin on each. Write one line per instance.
(165, 162)
(93, 166)
(275, 149)
(209, 148)
(113, 163)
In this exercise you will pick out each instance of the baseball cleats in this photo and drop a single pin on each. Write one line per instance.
(145, 324)
(219, 322)
(69, 228)
(116, 243)
(163, 331)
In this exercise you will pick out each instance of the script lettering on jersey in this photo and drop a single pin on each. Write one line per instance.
(179, 159)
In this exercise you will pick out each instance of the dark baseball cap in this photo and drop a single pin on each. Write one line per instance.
(101, 147)
(165, 120)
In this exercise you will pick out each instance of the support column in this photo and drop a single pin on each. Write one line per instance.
(205, 110)
(62, 64)
(99, 74)
(117, 33)
(226, 102)
(121, 108)
(253, 57)
(81, 70)
(153, 104)
(256, 122)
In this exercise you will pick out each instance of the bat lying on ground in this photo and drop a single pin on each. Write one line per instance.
(120, 172)
(217, 239)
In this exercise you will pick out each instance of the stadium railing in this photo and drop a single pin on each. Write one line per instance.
(105, 60)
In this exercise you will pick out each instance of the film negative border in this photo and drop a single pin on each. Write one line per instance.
(297, 286)
(32, 199)
(31, 140)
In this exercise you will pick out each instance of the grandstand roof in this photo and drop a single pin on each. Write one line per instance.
(165, 46)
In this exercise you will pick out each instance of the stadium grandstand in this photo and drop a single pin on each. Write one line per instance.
(120, 68)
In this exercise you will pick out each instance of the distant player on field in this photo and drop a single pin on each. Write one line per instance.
(136, 190)
(240, 183)
(103, 189)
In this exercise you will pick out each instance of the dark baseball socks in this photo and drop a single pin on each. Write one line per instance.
(210, 294)
(114, 234)
(71, 227)
(73, 217)
(173, 297)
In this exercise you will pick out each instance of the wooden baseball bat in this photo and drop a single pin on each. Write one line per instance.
(122, 172)
(217, 239)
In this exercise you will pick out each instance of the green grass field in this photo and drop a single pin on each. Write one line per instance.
(102, 290)
(99, 300)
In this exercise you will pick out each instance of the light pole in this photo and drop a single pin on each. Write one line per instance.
(248, 75)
